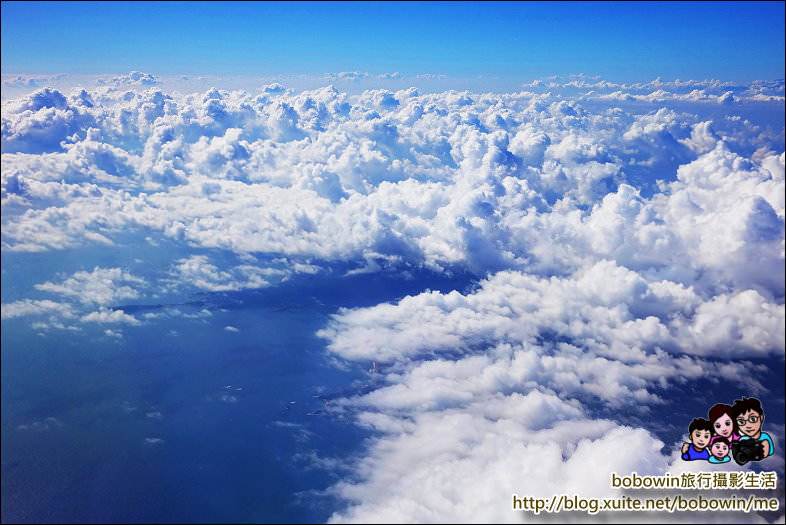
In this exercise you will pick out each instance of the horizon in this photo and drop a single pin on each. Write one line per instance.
(631, 41)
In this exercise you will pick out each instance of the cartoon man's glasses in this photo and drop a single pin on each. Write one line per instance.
(751, 419)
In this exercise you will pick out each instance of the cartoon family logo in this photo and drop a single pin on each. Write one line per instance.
(732, 429)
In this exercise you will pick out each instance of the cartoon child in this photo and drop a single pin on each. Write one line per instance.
(700, 432)
(749, 417)
(719, 450)
(723, 423)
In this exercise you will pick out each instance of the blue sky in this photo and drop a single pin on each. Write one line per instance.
(738, 41)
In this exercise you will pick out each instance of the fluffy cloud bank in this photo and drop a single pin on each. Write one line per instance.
(625, 242)
(606, 308)
(485, 181)
(481, 395)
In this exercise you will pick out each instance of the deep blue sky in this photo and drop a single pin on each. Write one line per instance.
(619, 41)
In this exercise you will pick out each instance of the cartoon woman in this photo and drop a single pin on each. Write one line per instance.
(723, 422)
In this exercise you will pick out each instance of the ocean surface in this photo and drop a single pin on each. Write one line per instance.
(182, 419)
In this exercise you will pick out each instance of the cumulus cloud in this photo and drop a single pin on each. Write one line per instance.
(111, 317)
(464, 465)
(524, 181)
(31, 81)
(605, 331)
(35, 307)
(273, 89)
(325, 167)
(487, 394)
(102, 286)
(82, 292)
(198, 272)
(134, 78)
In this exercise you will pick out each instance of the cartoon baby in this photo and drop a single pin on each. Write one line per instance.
(719, 450)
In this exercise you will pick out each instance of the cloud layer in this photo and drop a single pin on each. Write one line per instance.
(485, 181)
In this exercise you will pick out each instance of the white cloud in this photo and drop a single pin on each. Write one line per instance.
(134, 78)
(395, 173)
(464, 465)
(35, 307)
(486, 394)
(110, 316)
(746, 320)
(659, 91)
(30, 81)
(528, 182)
(431, 76)
(198, 272)
(42, 425)
(102, 286)
(608, 311)
(347, 75)
(395, 75)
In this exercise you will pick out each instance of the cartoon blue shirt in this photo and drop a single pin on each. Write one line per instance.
(724, 459)
(693, 454)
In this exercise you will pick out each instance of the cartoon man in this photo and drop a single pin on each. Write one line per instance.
(700, 432)
(719, 450)
(750, 416)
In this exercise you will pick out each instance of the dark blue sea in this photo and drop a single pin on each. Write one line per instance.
(182, 420)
